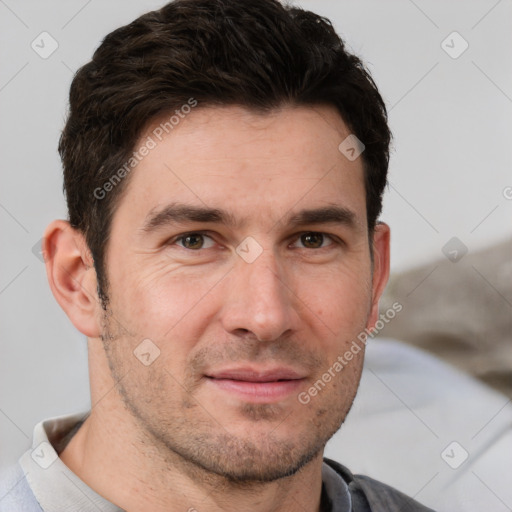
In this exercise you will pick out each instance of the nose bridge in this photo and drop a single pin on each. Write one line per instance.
(265, 277)
(262, 302)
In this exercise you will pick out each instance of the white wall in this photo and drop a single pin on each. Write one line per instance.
(451, 118)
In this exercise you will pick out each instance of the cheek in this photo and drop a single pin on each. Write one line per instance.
(340, 300)
(165, 303)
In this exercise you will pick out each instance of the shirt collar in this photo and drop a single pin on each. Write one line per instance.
(336, 490)
(58, 489)
(55, 486)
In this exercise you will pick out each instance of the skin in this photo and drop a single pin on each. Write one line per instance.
(166, 436)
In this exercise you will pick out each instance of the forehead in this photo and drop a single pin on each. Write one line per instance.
(247, 163)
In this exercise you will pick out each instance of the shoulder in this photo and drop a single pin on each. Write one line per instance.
(372, 495)
(15, 492)
(384, 497)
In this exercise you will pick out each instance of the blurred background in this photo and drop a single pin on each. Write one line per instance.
(444, 69)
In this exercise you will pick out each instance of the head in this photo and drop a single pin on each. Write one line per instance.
(215, 225)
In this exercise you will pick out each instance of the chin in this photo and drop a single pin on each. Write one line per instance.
(247, 461)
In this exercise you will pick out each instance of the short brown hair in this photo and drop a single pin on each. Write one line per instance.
(260, 55)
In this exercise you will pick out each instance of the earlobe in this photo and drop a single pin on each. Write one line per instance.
(71, 275)
(381, 260)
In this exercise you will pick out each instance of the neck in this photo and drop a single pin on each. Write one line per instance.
(136, 477)
(114, 456)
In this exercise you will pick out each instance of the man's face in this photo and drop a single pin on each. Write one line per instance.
(250, 301)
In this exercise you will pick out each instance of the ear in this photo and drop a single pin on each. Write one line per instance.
(380, 247)
(71, 275)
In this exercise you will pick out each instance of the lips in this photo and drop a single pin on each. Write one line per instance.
(257, 385)
(251, 375)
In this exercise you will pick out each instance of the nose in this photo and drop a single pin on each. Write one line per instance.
(259, 300)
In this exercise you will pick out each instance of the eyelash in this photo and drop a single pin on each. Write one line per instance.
(334, 240)
(184, 235)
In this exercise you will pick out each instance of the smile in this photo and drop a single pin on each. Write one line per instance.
(257, 386)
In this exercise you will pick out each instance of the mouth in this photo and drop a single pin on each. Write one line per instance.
(257, 386)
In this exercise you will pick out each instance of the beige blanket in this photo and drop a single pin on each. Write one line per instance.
(460, 311)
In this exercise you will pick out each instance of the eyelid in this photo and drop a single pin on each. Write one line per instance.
(181, 236)
(334, 239)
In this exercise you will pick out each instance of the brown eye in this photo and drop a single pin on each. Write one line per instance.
(312, 240)
(195, 241)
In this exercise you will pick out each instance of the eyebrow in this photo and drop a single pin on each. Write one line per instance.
(324, 215)
(176, 213)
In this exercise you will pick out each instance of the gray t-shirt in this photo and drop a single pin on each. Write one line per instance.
(41, 482)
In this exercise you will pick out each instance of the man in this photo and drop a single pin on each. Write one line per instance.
(224, 164)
